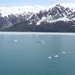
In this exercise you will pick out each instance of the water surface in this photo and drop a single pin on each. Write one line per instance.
(37, 53)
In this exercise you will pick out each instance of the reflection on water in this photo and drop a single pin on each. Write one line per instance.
(37, 53)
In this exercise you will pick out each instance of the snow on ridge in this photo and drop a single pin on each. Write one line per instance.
(5, 11)
(69, 4)
(44, 19)
(39, 22)
(23, 10)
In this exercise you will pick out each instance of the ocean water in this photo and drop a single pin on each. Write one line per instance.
(24, 53)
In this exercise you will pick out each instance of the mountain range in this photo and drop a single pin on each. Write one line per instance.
(59, 17)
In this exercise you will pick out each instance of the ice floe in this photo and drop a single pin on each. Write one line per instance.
(63, 52)
(40, 41)
(56, 56)
(49, 57)
(15, 40)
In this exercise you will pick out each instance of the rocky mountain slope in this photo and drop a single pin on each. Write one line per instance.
(57, 17)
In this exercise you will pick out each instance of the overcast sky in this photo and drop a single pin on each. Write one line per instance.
(8, 3)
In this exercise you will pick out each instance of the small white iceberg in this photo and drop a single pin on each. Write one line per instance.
(15, 40)
(63, 52)
(43, 42)
(49, 57)
(56, 56)
(40, 41)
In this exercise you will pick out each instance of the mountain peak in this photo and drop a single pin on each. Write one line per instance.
(5, 11)
(37, 14)
(70, 5)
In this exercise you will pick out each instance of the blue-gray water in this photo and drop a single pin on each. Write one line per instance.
(37, 53)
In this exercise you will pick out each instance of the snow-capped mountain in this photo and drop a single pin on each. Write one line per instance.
(37, 15)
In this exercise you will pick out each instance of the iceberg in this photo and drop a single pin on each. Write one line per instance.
(56, 56)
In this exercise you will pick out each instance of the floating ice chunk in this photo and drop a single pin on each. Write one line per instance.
(15, 40)
(56, 56)
(64, 52)
(43, 42)
(40, 41)
(49, 57)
